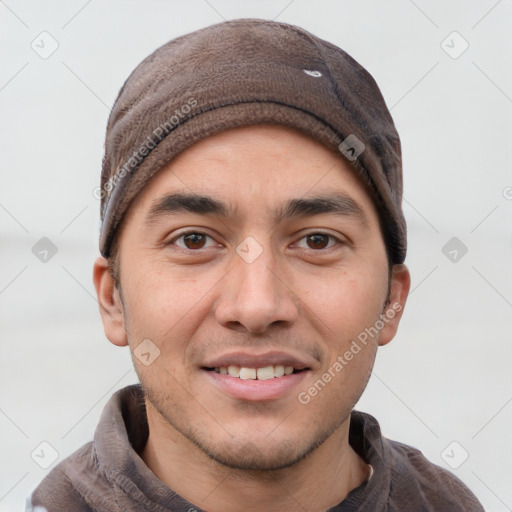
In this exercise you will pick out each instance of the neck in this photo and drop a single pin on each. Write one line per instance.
(318, 482)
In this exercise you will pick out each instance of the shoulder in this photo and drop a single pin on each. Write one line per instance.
(73, 486)
(427, 483)
(403, 478)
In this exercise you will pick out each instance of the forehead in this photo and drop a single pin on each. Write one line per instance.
(256, 168)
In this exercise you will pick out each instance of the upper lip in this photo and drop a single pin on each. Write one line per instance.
(247, 360)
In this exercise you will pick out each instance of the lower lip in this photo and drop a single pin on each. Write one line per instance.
(253, 389)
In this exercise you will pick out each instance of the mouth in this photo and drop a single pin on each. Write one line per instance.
(248, 377)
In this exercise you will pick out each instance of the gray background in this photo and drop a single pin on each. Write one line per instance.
(446, 376)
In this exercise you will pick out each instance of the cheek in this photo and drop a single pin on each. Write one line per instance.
(166, 305)
(345, 303)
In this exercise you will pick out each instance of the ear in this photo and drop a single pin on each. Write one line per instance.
(400, 285)
(111, 307)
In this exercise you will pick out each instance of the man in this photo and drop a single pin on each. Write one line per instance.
(252, 259)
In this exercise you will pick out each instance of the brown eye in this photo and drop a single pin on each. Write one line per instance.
(194, 240)
(317, 241)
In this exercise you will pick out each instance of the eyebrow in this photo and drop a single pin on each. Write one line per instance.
(192, 203)
(338, 204)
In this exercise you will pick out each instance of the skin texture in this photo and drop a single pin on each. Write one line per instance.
(197, 299)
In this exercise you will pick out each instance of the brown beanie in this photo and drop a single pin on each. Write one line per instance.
(245, 72)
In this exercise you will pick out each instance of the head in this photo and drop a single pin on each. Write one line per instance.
(257, 248)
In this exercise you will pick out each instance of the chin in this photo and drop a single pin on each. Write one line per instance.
(251, 443)
(249, 456)
(257, 449)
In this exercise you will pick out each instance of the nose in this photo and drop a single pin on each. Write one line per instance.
(256, 296)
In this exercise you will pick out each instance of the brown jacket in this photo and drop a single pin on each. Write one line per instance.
(108, 475)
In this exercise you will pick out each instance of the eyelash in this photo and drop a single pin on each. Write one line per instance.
(332, 238)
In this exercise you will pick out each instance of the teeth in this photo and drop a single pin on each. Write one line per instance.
(278, 370)
(234, 371)
(265, 373)
(247, 373)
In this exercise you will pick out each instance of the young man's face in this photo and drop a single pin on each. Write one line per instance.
(255, 248)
